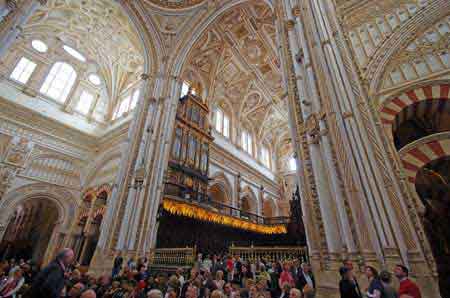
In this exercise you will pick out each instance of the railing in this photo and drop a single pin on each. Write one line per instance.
(270, 253)
(181, 193)
(172, 257)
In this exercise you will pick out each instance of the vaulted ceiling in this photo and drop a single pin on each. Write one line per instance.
(236, 60)
(99, 30)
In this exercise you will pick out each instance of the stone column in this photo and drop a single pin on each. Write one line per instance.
(370, 205)
(125, 180)
(15, 16)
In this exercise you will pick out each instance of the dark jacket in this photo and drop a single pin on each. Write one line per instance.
(301, 281)
(48, 283)
(348, 289)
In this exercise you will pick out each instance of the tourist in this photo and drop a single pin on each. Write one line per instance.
(117, 265)
(75, 291)
(228, 290)
(49, 283)
(131, 264)
(179, 274)
(155, 294)
(305, 281)
(230, 267)
(11, 286)
(286, 276)
(295, 293)
(407, 287)
(171, 293)
(375, 289)
(88, 294)
(347, 286)
(104, 285)
(192, 292)
(219, 281)
(349, 265)
(388, 289)
(285, 290)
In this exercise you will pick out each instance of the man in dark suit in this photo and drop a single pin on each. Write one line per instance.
(49, 283)
(305, 281)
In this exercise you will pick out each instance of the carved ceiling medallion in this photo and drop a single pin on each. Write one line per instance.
(176, 4)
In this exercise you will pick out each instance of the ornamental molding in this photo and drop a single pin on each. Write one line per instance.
(400, 39)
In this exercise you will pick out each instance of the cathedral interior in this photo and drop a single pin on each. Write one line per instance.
(150, 126)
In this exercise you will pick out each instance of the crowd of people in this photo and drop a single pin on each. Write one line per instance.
(210, 277)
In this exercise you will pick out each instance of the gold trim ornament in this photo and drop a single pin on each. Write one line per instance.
(187, 210)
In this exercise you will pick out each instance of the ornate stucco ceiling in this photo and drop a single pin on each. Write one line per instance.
(237, 64)
(100, 31)
(175, 4)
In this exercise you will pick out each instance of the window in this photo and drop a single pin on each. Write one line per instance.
(247, 142)
(85, 102)
(184, 89)
(134, 99)
(39, 46)
(23, 70)
(94, 79)
(59, 81)
(292, 163)
(265, 156)
(221, 122)
(123, 107)
(74, 53)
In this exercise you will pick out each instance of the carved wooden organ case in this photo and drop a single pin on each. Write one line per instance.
(187, 173)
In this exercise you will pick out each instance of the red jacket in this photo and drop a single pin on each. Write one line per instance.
(407, 287)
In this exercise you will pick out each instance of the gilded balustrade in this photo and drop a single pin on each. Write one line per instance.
(172, 256)
(270, 253)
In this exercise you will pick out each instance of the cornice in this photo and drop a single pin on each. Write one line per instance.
(62, 136)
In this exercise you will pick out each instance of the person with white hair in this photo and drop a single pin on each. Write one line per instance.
(155, 294)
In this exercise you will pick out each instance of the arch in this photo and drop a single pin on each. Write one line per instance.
(417, 154)
(249, 201)
(401, 38)
(221, 183)
(269, 208)
(151, 42)
(392, 107)
(113, 154)
(218, 194)
(64, 200)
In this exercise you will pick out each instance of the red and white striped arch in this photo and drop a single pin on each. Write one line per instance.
(393, 106)
(421, 153)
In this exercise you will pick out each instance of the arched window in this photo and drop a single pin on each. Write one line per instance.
(85, 102)
(59, 81)
(292, 164)
(123, 107)
(265, 156)
(222, 122)
(247, 142)
(134, 99)
(23, 70)
(185, 87)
